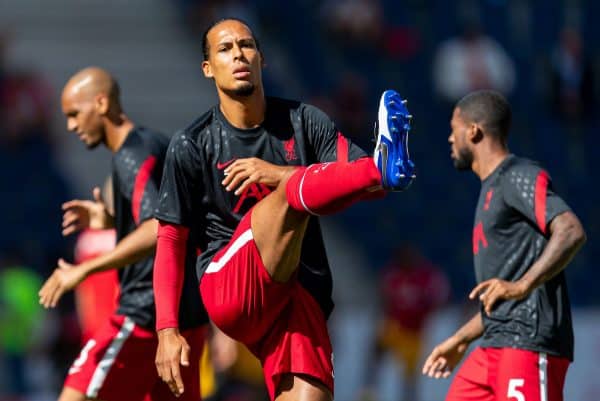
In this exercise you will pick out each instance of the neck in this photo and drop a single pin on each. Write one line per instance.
(117, 129)
(244, 112)
(488, 159)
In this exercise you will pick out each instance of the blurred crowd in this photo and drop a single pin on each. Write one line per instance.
(338, 55)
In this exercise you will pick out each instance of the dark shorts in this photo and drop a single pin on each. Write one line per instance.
(508, 374)
(117, 363)
(280, 323)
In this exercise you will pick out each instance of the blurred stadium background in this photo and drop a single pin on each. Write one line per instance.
(338, 55)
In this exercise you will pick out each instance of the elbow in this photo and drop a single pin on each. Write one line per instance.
(574, 233)
(570, 231)
(579, 236)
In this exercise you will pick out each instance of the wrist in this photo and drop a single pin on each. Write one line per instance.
(525, 285)
(460, 338)
(86, 268)
(168, 331)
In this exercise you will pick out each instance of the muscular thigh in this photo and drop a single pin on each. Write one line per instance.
(278, 231)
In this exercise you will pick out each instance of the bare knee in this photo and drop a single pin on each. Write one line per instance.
(294, 387)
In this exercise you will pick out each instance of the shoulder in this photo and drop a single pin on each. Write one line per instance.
(154, 141)
(199, 125)
(303, 110)
(521, 169)
(192, 133)
(522, 176)
(315, 114)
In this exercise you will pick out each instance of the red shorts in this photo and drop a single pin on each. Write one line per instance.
(117, 363)
(509, 374)
(280, 323)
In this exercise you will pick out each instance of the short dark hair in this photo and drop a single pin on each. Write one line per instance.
(490, 109)
(217, 22)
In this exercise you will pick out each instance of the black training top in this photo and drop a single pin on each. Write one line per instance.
(515, 208)
(192, 195)
(136, 171)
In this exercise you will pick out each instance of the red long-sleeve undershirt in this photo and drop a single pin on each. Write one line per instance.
(169, 272)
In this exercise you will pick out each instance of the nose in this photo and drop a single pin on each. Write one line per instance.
(71, 124)
(450, 138)
(237, 51)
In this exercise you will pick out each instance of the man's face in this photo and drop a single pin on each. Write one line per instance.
(233, 59)
(82, 117)
(461, 153)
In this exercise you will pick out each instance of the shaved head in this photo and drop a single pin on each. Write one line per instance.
(89, 99)
(93, 81)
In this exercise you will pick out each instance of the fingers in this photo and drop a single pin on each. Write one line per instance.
(429, 362)
(236, 180)
(164, 371)
(489, 292)
(240, 176)
(171, 353)
(176, 384)
(489, 299)
(50, 292)
(250, 180)
(480, 288)
(56, 295)
(72, 221)
(73, 204)
(185, 353)
(46, 291)
(168, 371)
(436, 366)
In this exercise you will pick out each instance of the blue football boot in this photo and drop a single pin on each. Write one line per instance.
(391, 146)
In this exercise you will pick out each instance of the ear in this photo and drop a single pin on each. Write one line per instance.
(475, 133)
(101, 104)
(207, 69)
(263, 61)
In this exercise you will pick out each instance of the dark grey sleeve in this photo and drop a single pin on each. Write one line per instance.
(328, 143)
(528, 189)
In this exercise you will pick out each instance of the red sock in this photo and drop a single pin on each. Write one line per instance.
(326, 188)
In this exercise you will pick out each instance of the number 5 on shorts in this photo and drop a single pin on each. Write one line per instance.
(513, 391)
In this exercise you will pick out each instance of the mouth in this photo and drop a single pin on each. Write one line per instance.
(241, 72)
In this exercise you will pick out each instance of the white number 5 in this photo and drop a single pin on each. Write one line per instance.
(513, 384)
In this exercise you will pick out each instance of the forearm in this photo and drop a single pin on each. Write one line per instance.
(471, 331)
(566, 238)
(169, 271)
(136, 246)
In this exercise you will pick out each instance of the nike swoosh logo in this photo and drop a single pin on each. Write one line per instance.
(221, 166)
